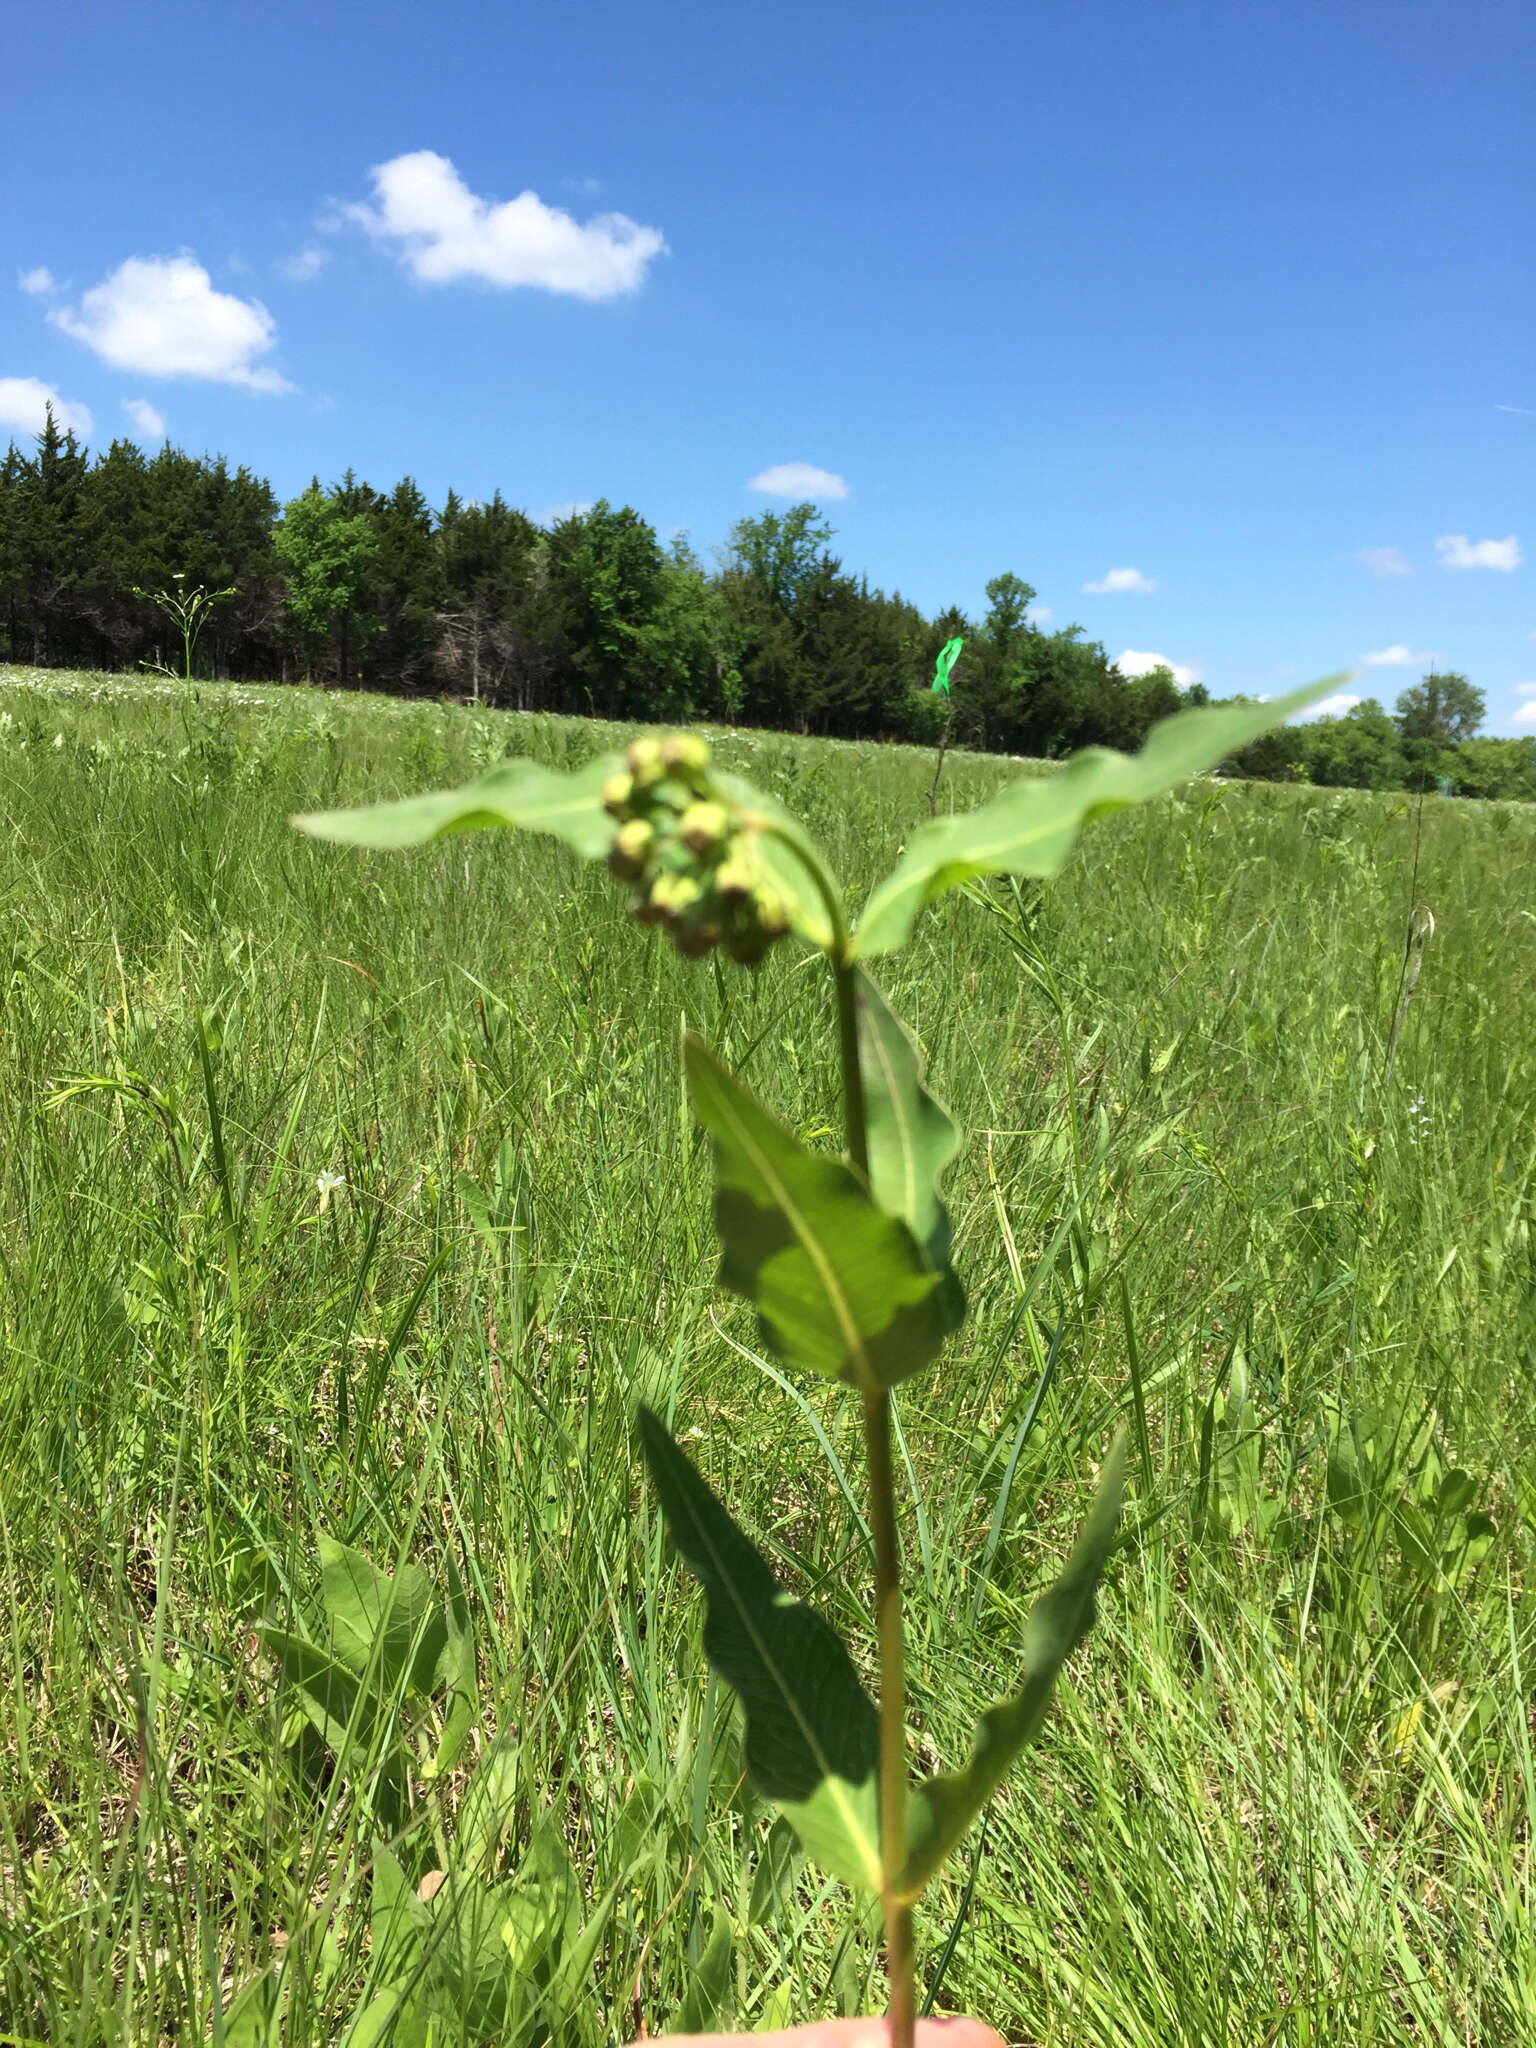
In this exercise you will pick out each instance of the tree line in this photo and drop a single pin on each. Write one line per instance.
(351, 586)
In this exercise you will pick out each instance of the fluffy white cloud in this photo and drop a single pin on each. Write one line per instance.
(1330, 707)
(304, 264)
(1118, 582)
(149, 419)
(1039, 615)
(1136, 662)
(442, 232)
(1397, 656)
(24, 402)
(38, 282)
(1386, 561)
(798, 480)
(160, 316)
(1456, 551)
(556, 515)
(1525, 714)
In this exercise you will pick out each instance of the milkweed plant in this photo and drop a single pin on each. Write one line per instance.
(846, 1259)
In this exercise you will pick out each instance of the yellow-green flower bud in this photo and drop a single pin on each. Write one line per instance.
(631, 850)
(617, 792)
(674, 895)
(703, 828)
(644, 908)
(685, 755)
(645, 762)
(771, 916)
(736, 876)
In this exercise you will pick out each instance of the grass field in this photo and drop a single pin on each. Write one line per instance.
(389, 1249)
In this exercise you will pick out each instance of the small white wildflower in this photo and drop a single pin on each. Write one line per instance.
(329, 1183)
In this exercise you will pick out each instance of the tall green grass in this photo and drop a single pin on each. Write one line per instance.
(1189, 1196)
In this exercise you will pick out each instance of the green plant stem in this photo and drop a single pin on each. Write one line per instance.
(882, 1495)
(854, 1126)
(882, 1517)
(893, 1718)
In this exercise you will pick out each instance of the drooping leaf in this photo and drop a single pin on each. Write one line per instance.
(777, 1862)
(327, 1690)
(520, 793)
(456, 1668)
(786, 869)
(252, 2016)
(811, 1739)
(707, 2001)
(568, 1979)
(1030, 828)
(392, 1625)
(839, 1286)
(912, 1137)
(398, 1921)
(487, 1808)
(943, 1808)
(393, 2016)
(492, 1938)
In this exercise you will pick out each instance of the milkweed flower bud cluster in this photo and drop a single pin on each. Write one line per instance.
(692, 859)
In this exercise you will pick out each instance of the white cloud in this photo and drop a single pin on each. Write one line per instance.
(1330, 707)
(1039, 615)
(442, 231)
(149, 419)
(555, 515)
(304, 264)
(1386, 561)
(1119, 582)
(24, 402)
(160, 316)
(1456, 551)
(798, 480)
(1397, 656)
(1525, 714)
(38, 282)
(1135, 662)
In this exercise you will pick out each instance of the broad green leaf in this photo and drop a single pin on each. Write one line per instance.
(943, 1808)
(326, 1688)
(519, 793)
(912, 1137)
(707, 2001)
(387, 2016)
(1031, 827)
(491, 1938)
(777, 1862)
(788, 870)
(252, 2015)
(488, 1806)
(812, 1737)
(457, 1670)
(398, 1921)
(568, 1985)
(839, 1286)
(393, 1624)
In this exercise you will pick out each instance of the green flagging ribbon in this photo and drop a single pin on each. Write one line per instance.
(949, 654)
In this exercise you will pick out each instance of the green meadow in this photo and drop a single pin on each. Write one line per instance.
(355, 1197)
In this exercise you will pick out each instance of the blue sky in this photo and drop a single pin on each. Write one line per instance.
(1235, 300)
